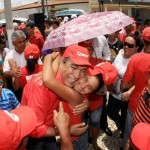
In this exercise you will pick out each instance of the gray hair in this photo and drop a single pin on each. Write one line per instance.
(17, 34)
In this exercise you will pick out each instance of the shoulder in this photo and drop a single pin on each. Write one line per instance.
(138, 56)
(10, 53)
(38, 35)
(7, 91)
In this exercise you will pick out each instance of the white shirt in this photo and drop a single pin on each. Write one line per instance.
(18, 58)
(121, 65)
(101, 47)
(5, 51)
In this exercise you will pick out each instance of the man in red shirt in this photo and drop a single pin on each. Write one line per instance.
(34, 37)
(136, 72)
(44, 101)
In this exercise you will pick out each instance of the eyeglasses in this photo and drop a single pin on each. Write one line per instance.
(128, 44)
(75, 68)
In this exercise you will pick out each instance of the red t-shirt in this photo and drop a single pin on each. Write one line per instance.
(122, 37)
(38, 40)
(74, 119)
(137, 70)
(95, 99)
(25, 75)
(43, 102)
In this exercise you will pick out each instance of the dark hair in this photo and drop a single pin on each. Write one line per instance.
(101, 82)
(31, 65)
(135, 37)
(49, 22)
(30, 24)
(57, 22)
(2, 37)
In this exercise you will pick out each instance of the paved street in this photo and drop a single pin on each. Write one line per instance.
(108, 142)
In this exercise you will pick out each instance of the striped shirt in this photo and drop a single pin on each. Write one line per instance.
(1, 71)
(8, 100)
(142, 113)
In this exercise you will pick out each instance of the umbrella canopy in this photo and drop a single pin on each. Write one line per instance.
(86, 27)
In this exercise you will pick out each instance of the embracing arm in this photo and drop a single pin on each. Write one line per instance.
(50, 81)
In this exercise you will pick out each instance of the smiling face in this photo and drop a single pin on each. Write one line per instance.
(20, 44)
(86, 84)
(129, 47)
(71, 72)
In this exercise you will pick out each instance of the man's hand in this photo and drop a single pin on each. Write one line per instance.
(16, 72)
(52, 56)
(79, 109)
(61, 119)
(62, 122)
(78, 129)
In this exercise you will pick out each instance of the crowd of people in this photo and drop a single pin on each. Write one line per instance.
(70, 91)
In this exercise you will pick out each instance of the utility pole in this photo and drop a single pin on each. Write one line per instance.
(9, 21)
(100, 2)
(47, 10)
(43, 7)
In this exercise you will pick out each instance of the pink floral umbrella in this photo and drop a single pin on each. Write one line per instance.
(86, 27)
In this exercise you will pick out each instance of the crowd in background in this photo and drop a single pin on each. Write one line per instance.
(126, 101)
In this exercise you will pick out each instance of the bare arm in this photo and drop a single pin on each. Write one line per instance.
(125, 86)
(125, 95)
(15, 80)
(62, 122)
(50, 81)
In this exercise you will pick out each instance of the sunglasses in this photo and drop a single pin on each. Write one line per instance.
(129, 45)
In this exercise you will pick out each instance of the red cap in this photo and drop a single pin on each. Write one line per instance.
(15, 125)
(108, 71)
(22, 26)
(78, 54)
(140, 136)
(146, 34)
(31, 52)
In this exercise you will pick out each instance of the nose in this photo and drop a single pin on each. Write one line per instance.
(77, 74)
(83, 85)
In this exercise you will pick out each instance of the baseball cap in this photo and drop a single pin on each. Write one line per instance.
(15, 125)
(140, 136)
(31, 52)
(78, 54)
(146, 34)
(22, 26)
(108, 71)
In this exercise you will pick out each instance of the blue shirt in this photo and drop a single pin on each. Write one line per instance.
(8, 100)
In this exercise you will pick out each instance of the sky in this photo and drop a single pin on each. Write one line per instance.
(17, 2)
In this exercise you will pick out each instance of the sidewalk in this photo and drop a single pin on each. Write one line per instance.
(108, 142)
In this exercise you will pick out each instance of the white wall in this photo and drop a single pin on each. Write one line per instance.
(83, 6)
(25, 13)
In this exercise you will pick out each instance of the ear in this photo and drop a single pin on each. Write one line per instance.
(137, 48)
(14, 43)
